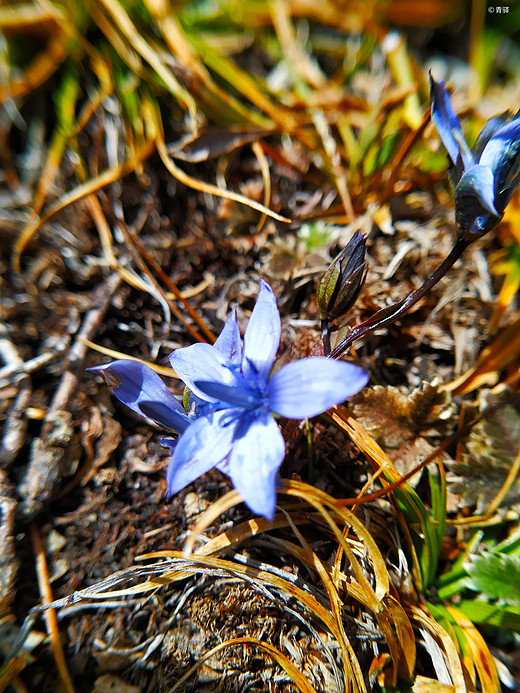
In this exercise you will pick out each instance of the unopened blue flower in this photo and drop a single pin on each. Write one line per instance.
(232, 426)
(484, 178)
(143, 391)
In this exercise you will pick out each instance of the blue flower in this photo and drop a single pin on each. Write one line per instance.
(231, 425)
(484, 178)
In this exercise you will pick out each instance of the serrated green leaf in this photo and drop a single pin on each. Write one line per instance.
(495, 576)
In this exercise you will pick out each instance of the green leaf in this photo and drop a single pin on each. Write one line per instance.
(422, 532)
(491, 614)
(65, 99)
(316, 234)
(438, 495)
(496, 576)
(454, 580)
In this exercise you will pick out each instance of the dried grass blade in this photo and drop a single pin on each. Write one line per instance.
(200, 185)
(400, 63)
(266, 177)
(309, 73)
(88, 110)
(161, 370)
(245, 530)
(353, 673)
(244, 83)
(405, 637)
(503, 351)
(415, 518)
(81, 191)
(423, 684)
(65, 98)
(448, 647)
(300, 61)
(103, 229)
(51, 619)
(318, 499)
(24, 16)
(292, 671)
(401, 155)
(50, 169)
(194, 564)
(484, 663)
(174, 290)
(216, 99)
(373, 599)
(39, 70)
(143, 48)
(228, 501)
(10, 671)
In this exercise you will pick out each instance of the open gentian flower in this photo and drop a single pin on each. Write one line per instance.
(484, 178)
(234, 397)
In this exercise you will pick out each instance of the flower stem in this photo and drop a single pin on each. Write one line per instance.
(310, 451)
(325, 336)
(388, 315)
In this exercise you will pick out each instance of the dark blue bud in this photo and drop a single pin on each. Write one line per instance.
(485, 178)
(342, 281)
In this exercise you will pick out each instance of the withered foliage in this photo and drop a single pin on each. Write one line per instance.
(488, 457)
(405, 424)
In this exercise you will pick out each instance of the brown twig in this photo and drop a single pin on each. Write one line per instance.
(144, 259)
(47, 451)
(10, 673)
(8, 560)
(51, 620)
(172, 287)
(16, 370)
(16, 423)
(401, 155)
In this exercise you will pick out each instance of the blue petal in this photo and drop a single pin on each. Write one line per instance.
(499, 143)
(164, 415)
(228, 341)
(262, 336)
(201, 362)
(310, 386)
(169, 443)
(491, 127)
(254, 463)
(202, 446)
(142, 390)
(447, 124)
(502, 155)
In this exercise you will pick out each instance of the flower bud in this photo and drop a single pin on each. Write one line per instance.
(342, 281)
(485, 177)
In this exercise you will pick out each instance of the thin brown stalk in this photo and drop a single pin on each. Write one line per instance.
(51, 620)
(174, 290)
